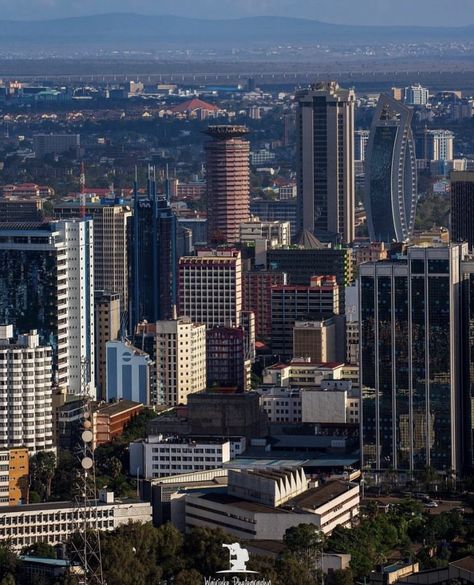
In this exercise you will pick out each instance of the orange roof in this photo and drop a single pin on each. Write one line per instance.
(193, 105)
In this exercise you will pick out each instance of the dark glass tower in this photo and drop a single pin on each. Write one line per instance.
(390, 173)
(411, 356)
(154, 257)
(462, 207)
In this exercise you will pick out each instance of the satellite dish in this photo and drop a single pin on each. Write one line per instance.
(87, 436)
(87, 463)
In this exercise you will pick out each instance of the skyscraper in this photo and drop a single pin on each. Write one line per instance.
(154, 257)
(228, 182)
(325, 162)
(462, 207)
(107, 328)
(410, 350)
(46, 283)
(390, 173)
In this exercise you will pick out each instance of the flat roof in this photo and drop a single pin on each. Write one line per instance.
(227, 499)
(117, 407)
(45, 561)
(318, 496)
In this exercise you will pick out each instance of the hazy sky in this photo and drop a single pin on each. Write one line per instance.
(419, 12)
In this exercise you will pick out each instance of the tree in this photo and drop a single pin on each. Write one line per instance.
(304, 541)
(204, 552)
(42, 467)
(188, 577)
(40, 549)
(8, 561)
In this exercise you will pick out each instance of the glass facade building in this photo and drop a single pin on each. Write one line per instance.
(411, 360)
(390, 178)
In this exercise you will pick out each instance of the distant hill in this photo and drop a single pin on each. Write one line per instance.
(134, 30)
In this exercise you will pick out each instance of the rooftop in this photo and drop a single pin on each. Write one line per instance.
(224, 132)
(316, 497)
(226, 499)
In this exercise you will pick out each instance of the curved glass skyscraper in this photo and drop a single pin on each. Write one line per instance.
(390, 173)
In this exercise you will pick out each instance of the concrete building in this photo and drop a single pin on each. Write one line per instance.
(290, 303)
(47, 284)
(361, 139)
(111, 224)
(435, 145)
(14, 476)
(228, 361)
(159, 456)
(16, 209)
(180, 360)
(128, 373)
(372, 252)
(462, 207)
(210, 287)
(302, 373)
(263, 504)
(315, 340)
(276, 233)
(275, 210)
(334, 402)
(257, 297)
(416, 95)
(26, 416)
(107, 328)
(55, 144)
(228, 182)
(352, 325)
(325, 162)
(109, 420)
(281, 405)
(54, 523)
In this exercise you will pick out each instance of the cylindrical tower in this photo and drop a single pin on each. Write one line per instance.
(228, 185)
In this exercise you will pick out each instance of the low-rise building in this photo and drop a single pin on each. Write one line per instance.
(54, 522)
(109, 420)
(315, 340)
(14, 476)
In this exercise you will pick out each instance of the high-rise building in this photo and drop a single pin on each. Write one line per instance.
(416, 95)
(361, 140)
(228, 182)
(325, 165)
(14, 478)
(435, 145)
(257, 297)
(46, 283)
(128, 373)
(180, 360)
(107, 328)
(296, 303)
(227, 361)
(315, 340)
(390, 173)
(111, 224)
(154, 257)
(411, 353)
(462, 207)
(210, 287)
(26, 415)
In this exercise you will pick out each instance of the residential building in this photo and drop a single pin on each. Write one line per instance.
(129, 373)
(111, 220)
(462, 207)
(295, 303)
(210, 287)
(56, 144)
(257, 297)
(107, 328)
(411, 346)
(228, 182)
(325, 162)
(180, 360)
(416, 95)
(315, 340)
(390, 173)
(14, 476)
(228, 362)
(29, 191)
(435, 145)
(159, 456)
(25, 392)
(47, 284)
(55, 522)
(262, 504)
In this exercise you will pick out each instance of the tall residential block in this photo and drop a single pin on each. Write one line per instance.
(210, 287)
(180, 360)
(26, 416)
(462, 207)
(390, 173)
(411, 348)
(111, 223)
(228, 182)
(325, 162)
(107, 328)
(47, 284)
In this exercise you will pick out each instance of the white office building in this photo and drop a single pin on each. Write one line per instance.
(26, 416)
(277, 233)
(180, 360)
(129, 373)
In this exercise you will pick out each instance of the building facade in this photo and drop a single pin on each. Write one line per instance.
(26, 415)
(228, 362)
(228, 182)
(315, 340)
(325, 162)
(390, 173)
(14, 476)
(257, 297)
(129, 373)
(410, 360)
(107, 328)
(180, 360)
(462, 207)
